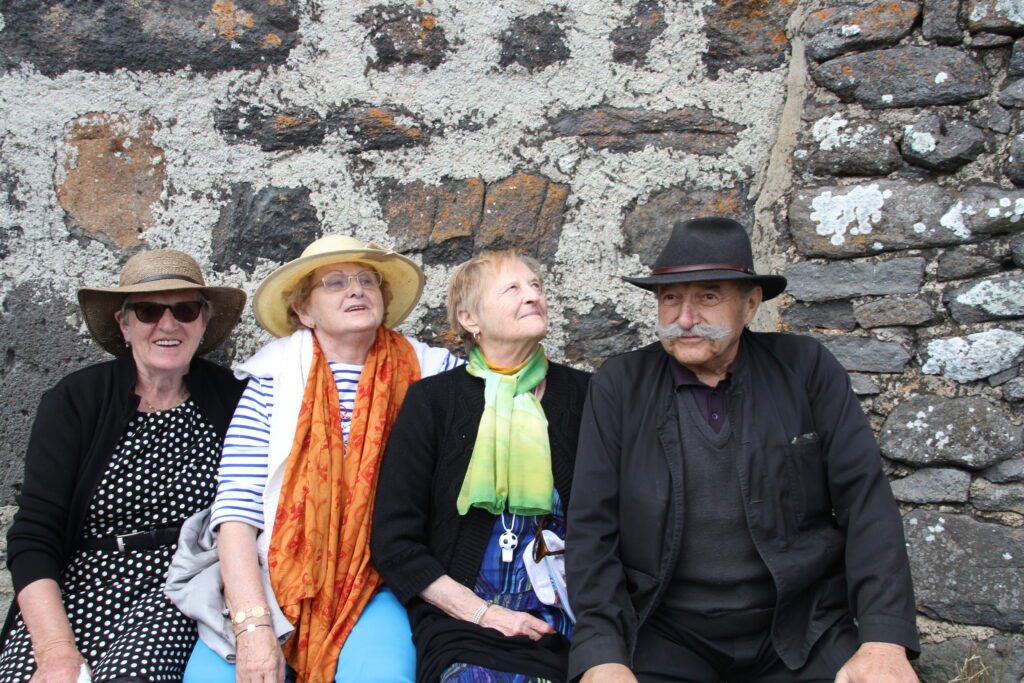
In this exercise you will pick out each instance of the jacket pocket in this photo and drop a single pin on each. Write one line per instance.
(812, 502)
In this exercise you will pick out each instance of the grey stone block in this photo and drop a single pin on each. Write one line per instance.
(898, 310)
(844, 146)
(864, 385)
(1012, 95)
(958, 264)
(1005, 472)
(971, 432)
(1001, 655)
(1013, 391)
(830, 315)
(975, 356)
(845, 279)
(1015, 67)
(1015, 161)
(997, 16)
(534, 42)
(989, 299)
(940, 22)
(933, 485)
(938, 144)
(840, 29)
(865, 354)
(991, 497)
(633, 40)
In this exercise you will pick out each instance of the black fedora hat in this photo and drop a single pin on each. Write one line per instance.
(705, 249)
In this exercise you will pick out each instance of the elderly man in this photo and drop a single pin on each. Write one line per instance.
(730, 520)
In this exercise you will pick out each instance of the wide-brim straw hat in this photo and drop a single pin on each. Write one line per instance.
(404, 280)
(708, 249)
(159, 270)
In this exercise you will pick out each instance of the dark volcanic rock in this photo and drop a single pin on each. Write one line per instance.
(146, 35)
(272, 130)
(970, 432)
(689, 129)
(897, 310)
(846, 279)
(844, 28)
(369, 127)
(830, 315)
(1015, 161)
(40, 345)
(1017, 250)
(933, 485)
(865, 354)
(275, 223)
(633, 40)
(997, 497)
(957, 264)
(647, 226)
(990, 299)
(1007, 471)
(999, 656)
(522, 211)
(534, 42)
(9, 234)
(864, 385)
(987, 40)
(746, 35)
(941, 23)
(598, 335)
(1013, 95)
(938, 144)
(848, 147)
(905, 77)
(997, 16)
(402, 34)
(1015, 67)
(964, 570)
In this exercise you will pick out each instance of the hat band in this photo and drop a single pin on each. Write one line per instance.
(701, 266)
(167, 276)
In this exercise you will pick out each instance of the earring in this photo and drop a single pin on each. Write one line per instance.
(476, 336)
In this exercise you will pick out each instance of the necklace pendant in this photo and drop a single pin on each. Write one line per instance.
(507, 542)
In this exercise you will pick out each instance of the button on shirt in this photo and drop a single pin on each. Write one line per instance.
(713, 402)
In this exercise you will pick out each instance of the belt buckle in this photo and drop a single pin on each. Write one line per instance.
(119, 538)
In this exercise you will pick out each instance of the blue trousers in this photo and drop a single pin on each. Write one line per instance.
(379, 648)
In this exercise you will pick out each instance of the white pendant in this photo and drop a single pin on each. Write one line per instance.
(507, 542)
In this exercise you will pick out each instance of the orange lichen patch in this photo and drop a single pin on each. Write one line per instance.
(458, 212)
(275, 3)
(115, 178)
(228, 20)
(429, 21)
(383, 119)
(270, 40)
(778, 36)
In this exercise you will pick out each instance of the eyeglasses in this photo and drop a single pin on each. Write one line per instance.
(150, 312)
(540, 547)
(339, 282)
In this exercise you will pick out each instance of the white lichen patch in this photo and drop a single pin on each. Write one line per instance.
(941, 77)
(921, 142)
(887, 99)
(1003, 298)
(848, 30)
(973, 357)
(920, 227)
(833, 132)
(854, 213)
(955, 220)
(1011, 9)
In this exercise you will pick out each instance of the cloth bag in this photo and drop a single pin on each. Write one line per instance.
(195, 586)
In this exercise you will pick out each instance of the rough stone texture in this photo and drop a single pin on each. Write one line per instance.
(975, 356)
(822, 282)
(1005, 472)
(848, 147)
(1003, 377)
(596, 335)
(689, 129)
(997, 497)
(830, 315)
(1015, 67)
(404, 35)
(897, 310)
(908, 76)
(368, 127)
(647, 226)
(275, 223)
(938, 144)
(115, 177)
(147, 35)
(996, 118)
(40, 343)
(957, 264)
(987, 40)
(748, 34)
(990, 299)
(1002, 657)
(971, 432)
(450, 221)
(998, 16)
(1013, 390)
(933, 485)
(834, 31)
(632, 41)
(871, 217)
(6, 585)
(272, 130)
(1013, 94)
(8, 235)
(980, 565)
(865, 354)
(940, 22)
(1015, 161)
(863, 385)
(534, 42)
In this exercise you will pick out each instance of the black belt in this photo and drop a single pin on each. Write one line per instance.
(139, 540)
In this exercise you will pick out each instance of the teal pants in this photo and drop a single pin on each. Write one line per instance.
(379, 648)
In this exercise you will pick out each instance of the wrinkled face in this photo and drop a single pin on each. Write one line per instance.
(710, 317)
(166, 345)
(511, 308)
(355, 309)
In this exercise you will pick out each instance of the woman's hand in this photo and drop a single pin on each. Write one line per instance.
(512, 623)
(258, 657)
(60, 664)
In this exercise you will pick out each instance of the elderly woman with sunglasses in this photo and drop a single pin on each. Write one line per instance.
(120, 454)
(299, 472)
(474, 486)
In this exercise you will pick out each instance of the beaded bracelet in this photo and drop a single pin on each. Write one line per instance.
(255, 613)
(479, 613)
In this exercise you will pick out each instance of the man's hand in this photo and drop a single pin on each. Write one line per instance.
(608, 673)
(877, 663)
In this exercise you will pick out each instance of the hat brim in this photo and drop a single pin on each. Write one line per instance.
(405, 282)
(99, 304)
(771, 285)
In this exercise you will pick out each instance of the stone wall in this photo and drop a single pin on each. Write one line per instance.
(875, 149)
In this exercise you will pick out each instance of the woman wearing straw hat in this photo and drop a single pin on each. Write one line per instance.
(469, 520)
(299, 472)
(120, 453)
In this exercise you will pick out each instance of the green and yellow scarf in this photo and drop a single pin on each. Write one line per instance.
(511, 461)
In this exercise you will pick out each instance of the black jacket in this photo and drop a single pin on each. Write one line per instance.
(819, 508)
(419, 536)
(77, 427)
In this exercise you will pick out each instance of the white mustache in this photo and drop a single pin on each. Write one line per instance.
(708, 331)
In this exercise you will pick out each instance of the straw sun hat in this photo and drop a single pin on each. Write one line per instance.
(404, 280)
(159, 270)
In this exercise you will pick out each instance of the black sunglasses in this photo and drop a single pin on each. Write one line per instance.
(150, 312)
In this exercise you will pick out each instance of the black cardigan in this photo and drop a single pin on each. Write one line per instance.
(418, 535)
(77, 427)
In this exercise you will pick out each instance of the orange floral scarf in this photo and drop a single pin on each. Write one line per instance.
(319, 554)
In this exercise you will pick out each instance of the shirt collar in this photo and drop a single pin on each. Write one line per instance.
(685, 377)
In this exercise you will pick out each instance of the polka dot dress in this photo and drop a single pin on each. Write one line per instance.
(163, 470)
